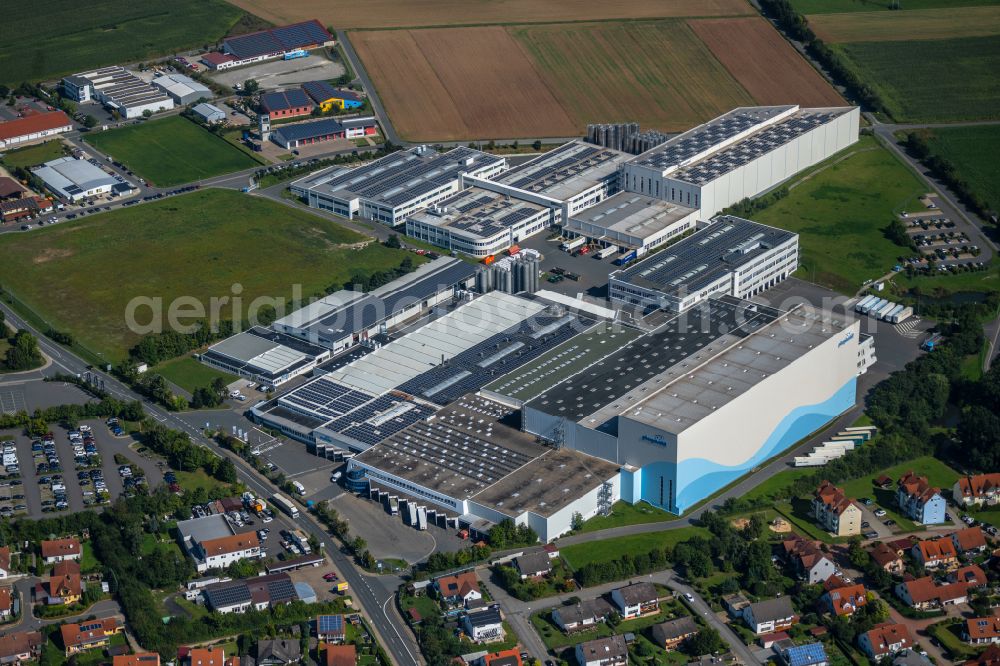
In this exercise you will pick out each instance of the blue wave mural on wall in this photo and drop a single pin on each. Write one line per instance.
(704, 477)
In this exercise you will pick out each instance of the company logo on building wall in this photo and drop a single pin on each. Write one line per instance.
(655, 439)
(847, 338)
(324, 438)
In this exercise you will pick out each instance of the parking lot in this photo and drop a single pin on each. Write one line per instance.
(273, 74)
(71, 470)
(591, 272)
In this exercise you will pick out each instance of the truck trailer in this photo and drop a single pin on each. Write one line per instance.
(574, 243)
(902, 315)
(607, 252)
(873, 305)
(860, 305)
(285, 505)
(885, 310)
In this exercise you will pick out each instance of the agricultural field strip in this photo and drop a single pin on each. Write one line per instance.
(951, 23)
(376, 14)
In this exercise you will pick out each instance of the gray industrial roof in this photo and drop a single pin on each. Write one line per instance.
(346, 312)
(702, 258)
(182, 86)
(566, 171)
(632, 214)
(70, 176)
(479, 213)
(400, 177)
(203, 529)
(265, 352)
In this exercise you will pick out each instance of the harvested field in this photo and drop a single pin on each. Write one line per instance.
(901, 26)
(764, 63)
(448, 84)
(657, 73)
(839, 6)
(359, 14)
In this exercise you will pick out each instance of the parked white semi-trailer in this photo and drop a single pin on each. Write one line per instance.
(574, 243)
(285, 505)
(860, 305)
(422, 517)
(411, 512)
(902, 315)
(891, 313)
(873, 305)
(607, 252)
(884, 310)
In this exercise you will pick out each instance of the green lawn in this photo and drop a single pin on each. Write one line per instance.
(777, 484)
(53, 38)
(171, 151)
(426, 606)
(190, 374)
(839, 209)
(799, 513)
(838, 6)
(579, 554)
(33, 155)
(931, 80)
(948, 634)
(191, 481)
(945, 284)
(81, 275)
(88, 561)
(623, 513)
(970, 150)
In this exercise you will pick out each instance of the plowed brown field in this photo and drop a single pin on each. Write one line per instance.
(443, 84)
(416, 13)
(764, 63)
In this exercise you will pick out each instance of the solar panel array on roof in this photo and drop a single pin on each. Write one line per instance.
(753, 147)
(330, 624)
(282, 100)
(324, 398)
(704, 257)
(605, 381)
(493, 358)
(227, 594)
(570, 160)
(378, 419)
(479, 212)
(704, 137)
(278, 40)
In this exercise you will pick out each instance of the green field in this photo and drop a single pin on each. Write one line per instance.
(837, 6)
(973, 151)
(839, 209)
(580, 554)
(80, 275)
(33, 155)
(189, 374)
(57, 37)
(171, 151)
(931, 80)
(937, 473)
(623, 513)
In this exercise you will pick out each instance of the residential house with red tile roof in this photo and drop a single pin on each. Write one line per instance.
(977, 490)
(58, 550)
(6, 601)
(835, 512)
(340, 655)
(923, 593)
(919, 500)
(213, 656)
(884, 640)
(990, 657)
(981, 630)
(887, 558)
(459, 589)
(4, 562)
(935, 553)
(844, 599)
(971, 574)
(970, 540)
(139, 659)
(89, 634)
(20, 646)
(809, 561)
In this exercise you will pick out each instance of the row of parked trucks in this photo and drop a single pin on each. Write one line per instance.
(883, 309)
(837, 446)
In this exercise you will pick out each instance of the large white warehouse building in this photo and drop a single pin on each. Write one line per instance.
(740, 154)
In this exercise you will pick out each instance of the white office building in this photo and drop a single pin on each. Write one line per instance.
(478, 222)
(730, 256)
(632, 222)
(740, 154)
(397, 185)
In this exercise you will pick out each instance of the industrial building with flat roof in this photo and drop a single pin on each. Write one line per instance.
(691, 406)
(740, 154)
(290, 137)
(182, 89)
(570, 178)
(73, 179)
(397, 185)
(632, 222)
(346, 317)
(275, 42)
(265, 356)
(33, 127)
(730, 256)
(119, 90)
(480, 471)
(478, 222)
(286, 104)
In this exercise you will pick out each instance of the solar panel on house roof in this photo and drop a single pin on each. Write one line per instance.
(330, 623)
(227, 594)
